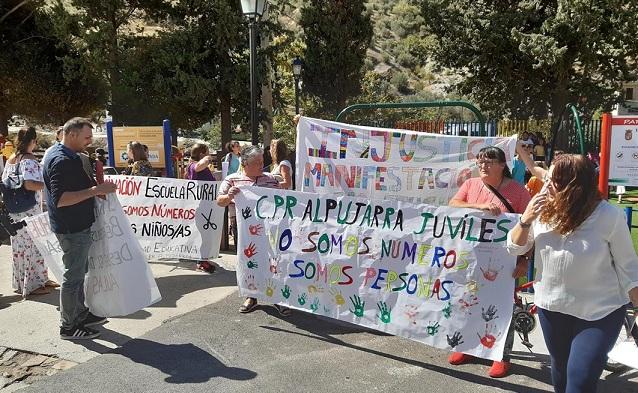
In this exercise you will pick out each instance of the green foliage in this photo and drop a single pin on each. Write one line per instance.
(337, 35)
(34, 82)
(401, 82)
(532, 57)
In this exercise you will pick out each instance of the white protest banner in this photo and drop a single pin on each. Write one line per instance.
(437, 275)
(381, 163)
(119, 281)
(172, 218)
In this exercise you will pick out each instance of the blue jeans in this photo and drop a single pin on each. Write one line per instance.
(75, 247)
(578, 348)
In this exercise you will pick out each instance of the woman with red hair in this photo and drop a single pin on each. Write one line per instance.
(587, 271)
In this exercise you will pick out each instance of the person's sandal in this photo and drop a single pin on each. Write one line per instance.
(283, 311)
(51, 284)
(249, 305)
(204, 266)
(41, 291)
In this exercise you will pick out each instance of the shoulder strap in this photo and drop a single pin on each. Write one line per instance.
(501, 197)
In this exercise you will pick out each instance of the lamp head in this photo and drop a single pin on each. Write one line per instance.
(253, 9)
(297, 66)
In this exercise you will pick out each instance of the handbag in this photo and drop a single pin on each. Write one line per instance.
(16, 198)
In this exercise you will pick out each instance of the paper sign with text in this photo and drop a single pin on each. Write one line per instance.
(437, 275)
(119, 281)
(380, 163)
(172, 218)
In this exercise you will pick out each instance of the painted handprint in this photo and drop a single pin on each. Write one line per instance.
(255, 230)
(338, 297)
(384, 312)
(250, 251)
(251, 265)
(433, 328)
(301, 299)
(250, 282)
(315, 305)
(455, 340)
(491, 273)
(270, 288)
(314, 289)
(285, 291)
(473, 286)
(468, 300)
(411, 312)
(358, 305)
(447, 310)
(246, 213)
(274, 264)
(326, 310)
(490, 313)
(488, 339)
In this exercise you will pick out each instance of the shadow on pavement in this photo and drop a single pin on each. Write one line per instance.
(7, 301)
(184, 363)
(173, 288)
(319, 332)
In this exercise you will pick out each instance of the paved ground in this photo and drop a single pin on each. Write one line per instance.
(194, 340)
(217, 349)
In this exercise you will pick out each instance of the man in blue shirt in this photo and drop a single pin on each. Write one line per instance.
(70, 200)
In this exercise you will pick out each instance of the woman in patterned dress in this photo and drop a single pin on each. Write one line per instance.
(29, 271)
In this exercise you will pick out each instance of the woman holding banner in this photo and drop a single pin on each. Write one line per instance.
(198, 169)
(282, 168)
(587, 269)
(252, 174)
(494, 192)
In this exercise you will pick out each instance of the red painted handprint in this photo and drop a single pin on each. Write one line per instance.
(488, 340)
(491, 273)
(255, 230)
(250, 251)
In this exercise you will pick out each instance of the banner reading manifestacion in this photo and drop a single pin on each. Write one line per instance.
(172, 218)
(380, 163)
(437, 275)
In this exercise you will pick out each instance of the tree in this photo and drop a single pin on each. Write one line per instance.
(531, 57)
(104, 35)
(337, 35)
(34, 80)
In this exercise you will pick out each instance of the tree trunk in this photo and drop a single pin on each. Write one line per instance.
(225, 120)
(4, 122)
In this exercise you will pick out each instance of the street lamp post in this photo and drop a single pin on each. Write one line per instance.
(297, 66)
(253, 10)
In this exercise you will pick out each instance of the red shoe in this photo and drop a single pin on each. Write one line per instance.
(457, 358)
(499, 369)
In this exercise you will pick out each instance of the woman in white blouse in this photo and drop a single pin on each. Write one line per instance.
(587, 271)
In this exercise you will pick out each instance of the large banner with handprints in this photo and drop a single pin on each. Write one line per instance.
(437, 275)
(380, 163)
(172, 218)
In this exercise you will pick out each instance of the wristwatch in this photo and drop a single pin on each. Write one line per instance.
(522, 224)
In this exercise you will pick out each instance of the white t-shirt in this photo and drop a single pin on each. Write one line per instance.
(276, 170)
(587, 273)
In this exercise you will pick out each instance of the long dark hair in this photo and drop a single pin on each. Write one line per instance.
(25, 137)
(495, 153)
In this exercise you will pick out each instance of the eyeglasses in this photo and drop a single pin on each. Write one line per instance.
(487, 162)
(528, 146)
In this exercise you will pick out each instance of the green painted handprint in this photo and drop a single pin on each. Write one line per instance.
(301, 299)
(432, 328)
(384, 316)
(285, 292)
(447, 311)
(358, 305)
(315, 305)
(252, 265)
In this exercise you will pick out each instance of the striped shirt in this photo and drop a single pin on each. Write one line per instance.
(239, 179)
